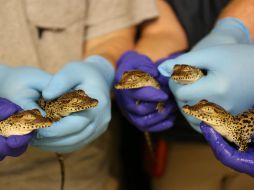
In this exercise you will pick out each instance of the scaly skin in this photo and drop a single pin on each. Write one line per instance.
(138, 79)
(23, 123)
(185, 74)
(66, 104)
(26, 121)
(237, 129)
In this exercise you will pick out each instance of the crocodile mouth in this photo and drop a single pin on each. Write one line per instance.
(190, 110)
(187, 109)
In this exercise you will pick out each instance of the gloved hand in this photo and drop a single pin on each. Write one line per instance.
(22, 85)
(14, 145)
(227, 56)
(228, 155)
(144, 115)
(94, 75)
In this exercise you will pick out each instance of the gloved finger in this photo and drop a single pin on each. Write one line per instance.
(40, 78)
(153, 118)
(197, 90)
(243, 161)
(17, 151)
(65, 127)
(5, 150)
(69, 140)
(148, 94)
(221, 149)
(197, 59)
(134, 106)
(228, 155)
(60, 83)
(194, 122)
(17, 141)
(141, 108)
(3, 147)
(30, 104)
(139, 62)
(7, 108)
(163, 125)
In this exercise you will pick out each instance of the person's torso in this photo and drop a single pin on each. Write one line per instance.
(41, 33)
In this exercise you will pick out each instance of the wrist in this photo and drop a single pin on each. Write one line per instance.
(233, 28)
(102, 65)
(242, 10)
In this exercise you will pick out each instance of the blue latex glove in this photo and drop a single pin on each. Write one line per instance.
(144, 115)
(14, 145)
(228, 57)
(22, 85)
(93, 75)
(228, 155)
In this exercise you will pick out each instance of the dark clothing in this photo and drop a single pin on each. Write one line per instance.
(197, 16)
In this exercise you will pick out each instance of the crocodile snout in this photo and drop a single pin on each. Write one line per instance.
(186, 109)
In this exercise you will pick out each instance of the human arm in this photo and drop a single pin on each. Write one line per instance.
(163, 36)
(242, 10)
(112, 45)
(225, 54)
(94, 75)
(159, 38)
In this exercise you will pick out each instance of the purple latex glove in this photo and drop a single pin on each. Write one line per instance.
(229, 155)
(14, 145)
(144, 115)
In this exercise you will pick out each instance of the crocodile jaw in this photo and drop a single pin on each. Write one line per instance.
(216, 123)
(7, 133)
(136, 79)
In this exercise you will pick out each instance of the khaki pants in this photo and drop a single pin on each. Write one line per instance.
(39, 170)
(193, 166)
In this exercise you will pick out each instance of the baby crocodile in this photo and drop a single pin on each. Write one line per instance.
(136, 79)
(23, 123)
(186, 74)
(66, 104)
(237, 129)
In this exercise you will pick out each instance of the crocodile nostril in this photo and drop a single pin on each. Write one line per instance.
(204, 71)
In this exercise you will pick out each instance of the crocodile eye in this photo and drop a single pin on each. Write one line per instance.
(207, 110)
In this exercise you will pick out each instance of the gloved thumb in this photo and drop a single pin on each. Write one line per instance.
(17, 141)
(196, 59)
(61, 83)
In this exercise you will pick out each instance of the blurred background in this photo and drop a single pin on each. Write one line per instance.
(190, 163)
